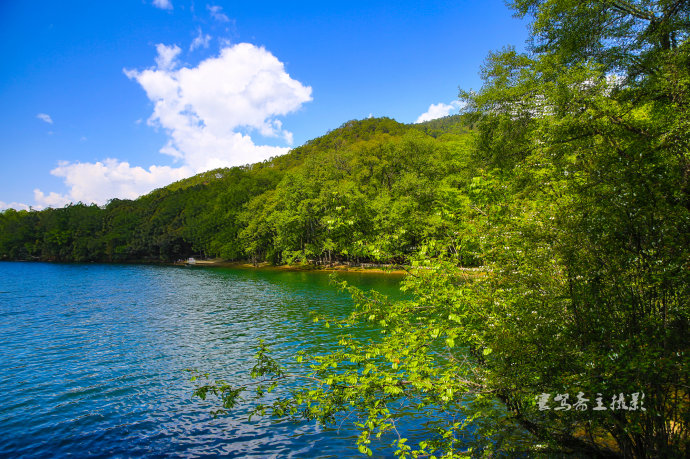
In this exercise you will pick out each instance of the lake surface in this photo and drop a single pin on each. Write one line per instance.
(92, 357)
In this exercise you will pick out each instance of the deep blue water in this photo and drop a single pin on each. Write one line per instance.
(92, 358)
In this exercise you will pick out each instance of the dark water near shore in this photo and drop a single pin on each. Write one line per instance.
(92, 357)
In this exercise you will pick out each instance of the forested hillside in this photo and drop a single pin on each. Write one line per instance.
(370, 190)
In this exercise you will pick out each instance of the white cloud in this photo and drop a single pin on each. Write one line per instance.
(98, 182)
(439, 111)
(45, 117)
(13, 205)
(51, 199)
(167, 56)
(204, 108)
(209, 113)
(200, 41)
(217, 13)
(163, 4)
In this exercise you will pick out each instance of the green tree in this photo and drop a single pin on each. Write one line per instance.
(580, 214)
(18, 237)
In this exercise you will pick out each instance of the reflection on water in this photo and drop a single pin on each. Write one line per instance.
(92, 357)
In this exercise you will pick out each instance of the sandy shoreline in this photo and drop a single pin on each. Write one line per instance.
(335, 268)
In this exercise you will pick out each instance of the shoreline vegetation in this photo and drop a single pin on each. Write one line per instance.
(366, 268)
(220, 263)
(362, 268)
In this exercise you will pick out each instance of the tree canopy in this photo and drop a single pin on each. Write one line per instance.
(572, 338)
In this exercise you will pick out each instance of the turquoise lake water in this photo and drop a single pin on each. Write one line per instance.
(92, 358)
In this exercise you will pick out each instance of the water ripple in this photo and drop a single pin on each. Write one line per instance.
(92, 358)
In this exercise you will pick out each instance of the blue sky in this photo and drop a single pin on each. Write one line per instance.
(113, 99)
